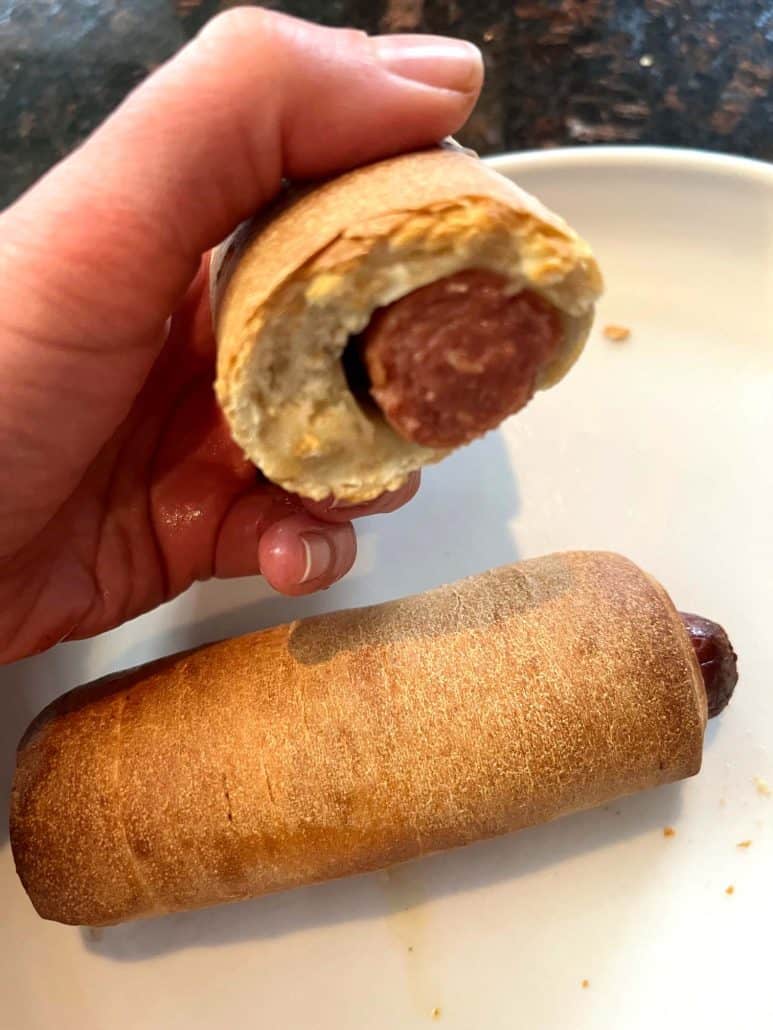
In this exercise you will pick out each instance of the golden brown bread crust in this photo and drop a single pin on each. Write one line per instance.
(351, 741)
(291, 288)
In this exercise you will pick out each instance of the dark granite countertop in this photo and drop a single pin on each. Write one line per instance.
(695, 73)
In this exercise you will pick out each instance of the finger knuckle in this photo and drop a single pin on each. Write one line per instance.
(235, 24)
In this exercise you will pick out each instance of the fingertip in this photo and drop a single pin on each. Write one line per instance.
(400, 497)
(334, 512)
(250, 517)
(300, 554)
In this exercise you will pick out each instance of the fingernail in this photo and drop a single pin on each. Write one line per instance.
(436, 61)
(320, 555)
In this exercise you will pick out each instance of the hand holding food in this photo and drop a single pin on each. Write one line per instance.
(120, 483)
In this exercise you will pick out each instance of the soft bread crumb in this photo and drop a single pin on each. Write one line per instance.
(617, 333)
(744, 844)
(763, 787)
(669, 831)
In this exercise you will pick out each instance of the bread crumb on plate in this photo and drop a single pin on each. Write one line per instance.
(617, 333)
(763, 787)
(730, 889)
(669, 831)
(744, 844)
(585, 983)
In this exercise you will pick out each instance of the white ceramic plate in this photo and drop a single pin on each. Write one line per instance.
(659, 447)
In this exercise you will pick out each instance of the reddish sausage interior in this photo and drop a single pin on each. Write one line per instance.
(718, 660)
(450, 360)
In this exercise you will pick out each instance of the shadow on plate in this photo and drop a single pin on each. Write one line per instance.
(460, 523)
(378, 895)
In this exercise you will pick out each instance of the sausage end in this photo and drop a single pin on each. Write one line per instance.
(717, 659)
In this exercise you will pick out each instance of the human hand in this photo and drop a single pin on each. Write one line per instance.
(120, 484)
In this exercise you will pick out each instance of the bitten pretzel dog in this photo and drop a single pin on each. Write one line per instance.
(368, 325)
(355, 740)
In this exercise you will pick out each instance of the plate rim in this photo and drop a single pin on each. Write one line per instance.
(638, 155)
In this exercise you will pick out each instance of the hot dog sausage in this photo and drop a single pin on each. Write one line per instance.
(450, 360)
(718, 660)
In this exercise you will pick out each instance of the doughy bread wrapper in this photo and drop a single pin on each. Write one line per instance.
(354, 740)
(291, 287)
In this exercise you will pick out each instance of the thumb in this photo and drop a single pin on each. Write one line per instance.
(206, 140)
(95, 257)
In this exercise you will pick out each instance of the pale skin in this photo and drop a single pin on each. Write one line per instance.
(119, 484)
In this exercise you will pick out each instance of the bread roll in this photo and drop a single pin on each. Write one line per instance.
(352, 741)
(295, 285)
